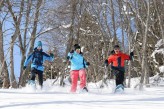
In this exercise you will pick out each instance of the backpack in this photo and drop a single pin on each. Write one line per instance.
(37, 58)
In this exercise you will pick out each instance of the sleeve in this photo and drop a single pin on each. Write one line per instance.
(110, 59)
(48, 57)
(85, 63)
(28, 59)
(69, 56)
(126, 57)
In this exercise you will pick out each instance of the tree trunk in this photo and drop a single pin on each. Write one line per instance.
(159, 18)
(147, 72)
(70, 40)
(17, 21)
(4, 70)
(13, 82)
(33, 34)
(113, 23)
(23, 45)
(144, 48)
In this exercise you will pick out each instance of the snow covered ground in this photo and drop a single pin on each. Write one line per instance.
(55, 97)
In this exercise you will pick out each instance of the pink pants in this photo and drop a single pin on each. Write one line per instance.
(74, 77)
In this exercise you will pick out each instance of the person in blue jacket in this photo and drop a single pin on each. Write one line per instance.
(37, 57)
(78, 65)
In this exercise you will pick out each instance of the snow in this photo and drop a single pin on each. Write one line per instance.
(160, 50)
(82, 29)
(157, 51)
(82, 49)
(55, 97)
(104, 4)
(66, 26)
(161, 69)
(159, 43)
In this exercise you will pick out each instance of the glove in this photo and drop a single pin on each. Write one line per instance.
(52, 55)
(87, 63)
(24, 67)
(72, 51)
(112, 52)
(106, 62)
(68, 57)
(131, 54)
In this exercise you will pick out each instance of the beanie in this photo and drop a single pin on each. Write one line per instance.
(39, 43)
(76, 46)
(116, 46)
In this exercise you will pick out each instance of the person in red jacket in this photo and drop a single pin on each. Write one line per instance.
(116, 59)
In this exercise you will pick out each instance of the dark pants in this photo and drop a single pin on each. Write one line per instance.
(40, 75)
(120, 78)
(119, 74)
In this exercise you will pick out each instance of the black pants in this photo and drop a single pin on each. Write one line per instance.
(119, 77)
(119, 74)
(40, 75)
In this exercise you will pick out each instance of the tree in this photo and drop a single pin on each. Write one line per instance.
(144, 47)
(17, 21)
(23, 75)
(4, 70)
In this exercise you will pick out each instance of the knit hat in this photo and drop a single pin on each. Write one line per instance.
(39, 43)
(116, 46)
(77, 46)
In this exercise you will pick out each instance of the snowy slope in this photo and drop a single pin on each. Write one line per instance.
(55, 97)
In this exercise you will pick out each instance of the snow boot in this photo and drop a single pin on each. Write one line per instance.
(85, 89)
(31, 84)
(119, 89)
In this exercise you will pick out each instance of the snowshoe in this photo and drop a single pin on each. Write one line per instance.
(119, 89)
(31, 84)
(39, 87)
(83, 90)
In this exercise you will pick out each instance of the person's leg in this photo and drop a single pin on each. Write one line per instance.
(120, 78)
(82, 75)
(74, 79)
(33, 74)
(32, 77)
(40, 77)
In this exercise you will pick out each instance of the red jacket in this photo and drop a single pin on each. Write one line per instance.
(117, 60)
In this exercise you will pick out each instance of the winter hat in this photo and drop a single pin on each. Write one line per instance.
(77, 46)
(116, 46)
(39, 43)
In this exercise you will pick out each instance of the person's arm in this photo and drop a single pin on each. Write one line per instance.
(28, 60)
(125, 56)
(128, 57)
(70, 55)
(48, 57)
(86, 63)
(131, 55)
(110, 59)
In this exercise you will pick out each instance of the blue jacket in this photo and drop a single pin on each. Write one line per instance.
(38, 58)
(77, 61)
